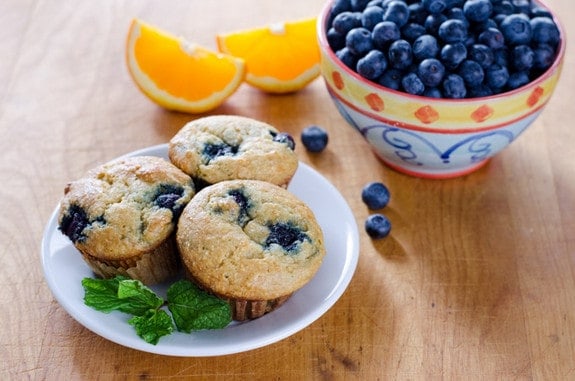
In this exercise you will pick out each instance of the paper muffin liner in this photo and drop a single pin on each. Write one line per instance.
(152, 267)
(252, 309)
(243, 309)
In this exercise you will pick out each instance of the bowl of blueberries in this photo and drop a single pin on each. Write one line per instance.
(438, 87)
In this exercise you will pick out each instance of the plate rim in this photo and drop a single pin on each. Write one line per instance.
(105, 331)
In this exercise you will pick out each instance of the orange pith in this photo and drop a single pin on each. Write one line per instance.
(279, 58)
(177, 74)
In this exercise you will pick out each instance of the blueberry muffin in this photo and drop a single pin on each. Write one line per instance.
(227, 147)
(122, 217)
(249, 242)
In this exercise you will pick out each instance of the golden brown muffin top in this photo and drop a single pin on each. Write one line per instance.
(249, 239)
(228, 147)
(125, 207)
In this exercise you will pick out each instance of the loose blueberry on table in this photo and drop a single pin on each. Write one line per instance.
(314, 138)
(481, 47)
(375, 195)
(377, 226)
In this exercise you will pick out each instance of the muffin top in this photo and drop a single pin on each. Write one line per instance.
(227, 147)
(125, 207)
(249, 239)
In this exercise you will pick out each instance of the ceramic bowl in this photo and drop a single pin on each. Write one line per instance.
(427, 137)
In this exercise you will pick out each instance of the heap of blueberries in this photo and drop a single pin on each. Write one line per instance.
(444, 48)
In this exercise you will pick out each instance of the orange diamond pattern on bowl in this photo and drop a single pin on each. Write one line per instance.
(427, 114)
(482, 113)
(375, 102)
(337, 80)
(536, 94)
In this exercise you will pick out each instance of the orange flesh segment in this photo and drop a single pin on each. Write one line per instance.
(281, 53)
(179, 75)
(151, 50)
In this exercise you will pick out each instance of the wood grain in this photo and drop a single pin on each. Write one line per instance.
(476, 281)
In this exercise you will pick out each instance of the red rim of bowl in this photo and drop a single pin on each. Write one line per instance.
(321, 30)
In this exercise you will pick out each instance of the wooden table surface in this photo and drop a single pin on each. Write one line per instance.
(476, 281)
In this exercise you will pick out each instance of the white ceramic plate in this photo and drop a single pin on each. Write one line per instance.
(64, 270)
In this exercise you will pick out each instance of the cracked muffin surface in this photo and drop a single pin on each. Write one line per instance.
(228, 147)
(122, 216)
(249, 241)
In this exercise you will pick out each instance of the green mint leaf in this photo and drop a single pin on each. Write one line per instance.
(152, 325)
(194, 309)
(121, 294)
(102, 294)
(141, 297)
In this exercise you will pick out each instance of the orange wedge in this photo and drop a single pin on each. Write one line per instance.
(177, 74)
(280, 58)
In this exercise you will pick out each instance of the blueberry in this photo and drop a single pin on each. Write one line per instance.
(400, 54)
(516, 29)
(288, 236)
(496, 76)
(417, 13)
(73, 223)
(452, 31)
(544, 56)
(434, 6)
(432, 92)
(335, 39)
(492, 37)
(371, 16)
(347, 57)
(517, 79)
(522, 6)
(384, 33)
(167, 195)
(375, 195)
(340, 6)
(377, 226)
(537, 11)
(433, 22)
(212, 150)
(314, 138)
(358, 5)
(501, 56)
(346, 21)
(372, 65)
(480, 91)
(477, 10)
(522, 57)
(358, 41)
(397, 12)
(454, 87)
(412, 84)
(411, 31)
(544, 31)
(244, 204)
(431, 72)
(425, 46)
(453, 54)
(504, 7)
(457, 14)
(471, 72)
(391, 79)
(284, 138)
(481, 54)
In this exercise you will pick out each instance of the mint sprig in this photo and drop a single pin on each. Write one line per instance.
(192, 309)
